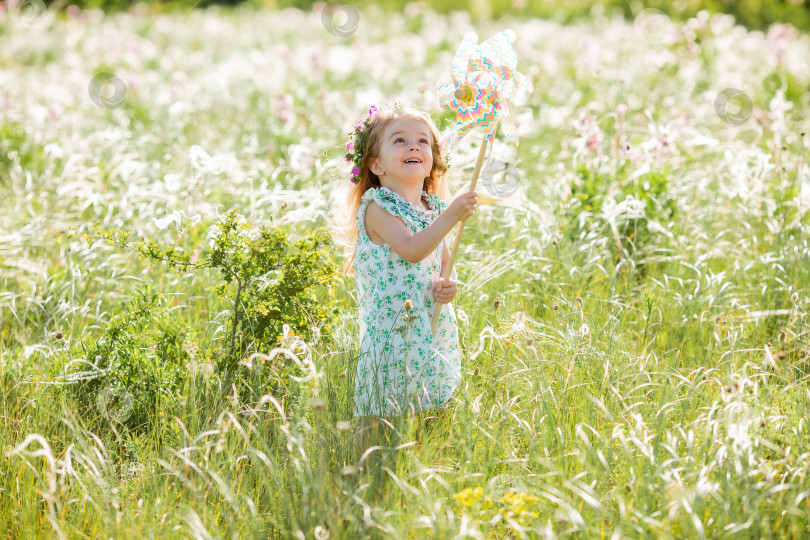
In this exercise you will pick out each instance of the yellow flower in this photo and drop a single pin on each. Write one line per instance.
(464, 497)
(518, 500)
(468, 496)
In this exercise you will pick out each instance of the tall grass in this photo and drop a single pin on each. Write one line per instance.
(643, 372)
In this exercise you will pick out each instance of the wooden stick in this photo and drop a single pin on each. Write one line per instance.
(447, 270)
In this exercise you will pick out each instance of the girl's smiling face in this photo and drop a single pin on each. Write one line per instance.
(405, 152)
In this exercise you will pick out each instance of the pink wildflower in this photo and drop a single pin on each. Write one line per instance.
(589, 130)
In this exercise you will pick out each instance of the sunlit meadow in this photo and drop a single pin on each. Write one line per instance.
(632, 301)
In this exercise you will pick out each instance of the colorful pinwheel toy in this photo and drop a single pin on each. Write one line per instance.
(483, 77)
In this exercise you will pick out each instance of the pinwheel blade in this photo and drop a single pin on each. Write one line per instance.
(444, 93)
(458, 67)
(506, 123)
(496, 51)
(497, 56)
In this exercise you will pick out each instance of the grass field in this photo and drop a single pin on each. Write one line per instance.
(643, 373)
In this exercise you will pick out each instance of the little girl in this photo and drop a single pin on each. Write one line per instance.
(399, 255)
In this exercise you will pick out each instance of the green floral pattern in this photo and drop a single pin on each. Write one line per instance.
(401, 363)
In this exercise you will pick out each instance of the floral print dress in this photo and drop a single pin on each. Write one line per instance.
(402, 365)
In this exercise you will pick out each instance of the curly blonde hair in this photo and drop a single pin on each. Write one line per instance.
(377, 126)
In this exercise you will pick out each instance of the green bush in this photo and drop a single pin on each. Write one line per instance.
(137, 363)
(268, 283)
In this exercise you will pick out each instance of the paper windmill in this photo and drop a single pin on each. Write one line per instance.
(483, 77)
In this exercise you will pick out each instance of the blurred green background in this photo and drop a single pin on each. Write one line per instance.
(755, 14)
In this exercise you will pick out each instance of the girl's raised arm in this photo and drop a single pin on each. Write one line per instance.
(416, 247)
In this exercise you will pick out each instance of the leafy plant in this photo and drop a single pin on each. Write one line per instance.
(136, 364)
(268, 282)
(591, 186)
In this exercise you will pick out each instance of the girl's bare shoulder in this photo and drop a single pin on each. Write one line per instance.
(376, 218)
(384, 227)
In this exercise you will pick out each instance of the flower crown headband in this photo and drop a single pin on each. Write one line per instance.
(357, 146)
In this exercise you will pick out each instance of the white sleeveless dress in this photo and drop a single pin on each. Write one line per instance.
(402, 366)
